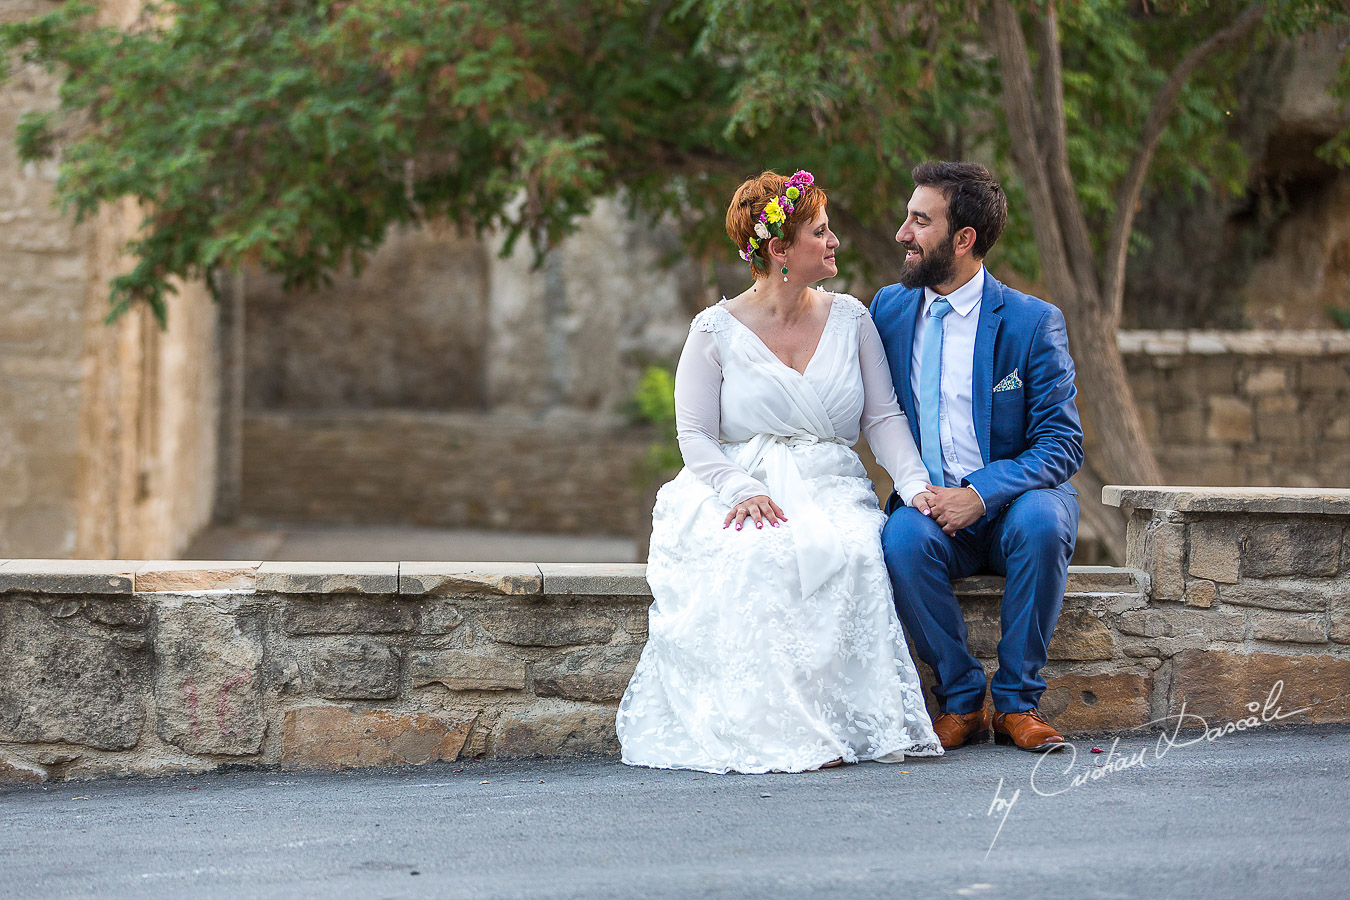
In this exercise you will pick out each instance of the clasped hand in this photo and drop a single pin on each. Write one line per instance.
(760, 508)
(952, 508)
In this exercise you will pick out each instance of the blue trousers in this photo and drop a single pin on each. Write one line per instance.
(1029, 542)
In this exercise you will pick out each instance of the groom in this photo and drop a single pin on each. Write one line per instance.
(984, 375)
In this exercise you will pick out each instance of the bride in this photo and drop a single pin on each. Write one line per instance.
(773, 643)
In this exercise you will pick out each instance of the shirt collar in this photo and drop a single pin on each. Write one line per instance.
(963, 299)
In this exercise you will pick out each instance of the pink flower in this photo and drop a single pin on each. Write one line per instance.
(801, 176)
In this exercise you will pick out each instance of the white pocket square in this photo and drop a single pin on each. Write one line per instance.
(1010, 383)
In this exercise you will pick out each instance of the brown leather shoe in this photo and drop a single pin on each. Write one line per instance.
(955, 729)
(1027, 730)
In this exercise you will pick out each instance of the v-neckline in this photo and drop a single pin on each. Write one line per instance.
(815, 351)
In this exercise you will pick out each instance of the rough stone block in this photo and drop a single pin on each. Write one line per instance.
(1080, 635)
(1339, 621)
(1201, 593)
(68, 576)
(978, 586)
(180, 576)
(333, 737)
(439, 617)
(1104, 580)
(1249, 500)
(208, 678)
(1161, 552)
(328, 578)
(459, 670)
(1108, 702)
(345, 615)
(355, 670)
(1307, 597)
(595, 674)
(1184, 623)
(16, 771)
(1292, 548)
(64, 679)
(1214, 550)
(1268, 379)
(1280, 428)
(562, 730)
(1218, 684)
(1185, 426)
(1295, 629)
(1230, 420)
(635, 623)
(457, 579)
(595, 580)
(1318, 375)
(540, 625)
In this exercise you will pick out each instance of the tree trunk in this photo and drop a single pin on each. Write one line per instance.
(1037, 129)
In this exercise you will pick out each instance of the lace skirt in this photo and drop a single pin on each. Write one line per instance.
(741, 672)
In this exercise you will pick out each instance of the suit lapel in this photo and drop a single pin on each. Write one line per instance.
(985, 338)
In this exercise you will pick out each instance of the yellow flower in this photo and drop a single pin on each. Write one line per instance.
(774, 212)
(754, 242)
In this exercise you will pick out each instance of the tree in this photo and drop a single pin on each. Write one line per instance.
(293, 133)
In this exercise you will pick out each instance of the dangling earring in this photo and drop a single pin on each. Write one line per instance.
(785, 273)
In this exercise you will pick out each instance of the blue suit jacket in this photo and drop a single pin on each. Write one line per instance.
(1030, 436)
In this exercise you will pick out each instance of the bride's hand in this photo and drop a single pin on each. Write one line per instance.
(923, 502)
(759, 508)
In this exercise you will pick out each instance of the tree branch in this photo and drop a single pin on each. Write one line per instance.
(1020, 109)
(1054, 151)
(1127, 197)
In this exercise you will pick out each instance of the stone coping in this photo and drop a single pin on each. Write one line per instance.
(1305, 501)
(413, 579)
(1254, 343)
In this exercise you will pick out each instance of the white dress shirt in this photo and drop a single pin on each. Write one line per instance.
(956, 412)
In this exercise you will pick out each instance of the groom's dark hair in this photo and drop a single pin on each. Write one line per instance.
(974, 199)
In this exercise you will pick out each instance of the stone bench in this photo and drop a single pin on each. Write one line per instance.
(117, 667)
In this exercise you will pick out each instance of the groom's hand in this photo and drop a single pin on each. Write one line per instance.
(955, 508)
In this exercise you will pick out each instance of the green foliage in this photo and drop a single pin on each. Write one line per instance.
(1340, 316)
(292, 134)
(653, 403)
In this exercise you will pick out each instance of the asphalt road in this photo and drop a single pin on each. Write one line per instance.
(1260, 814)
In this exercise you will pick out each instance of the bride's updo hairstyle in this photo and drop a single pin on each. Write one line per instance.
(755, 203)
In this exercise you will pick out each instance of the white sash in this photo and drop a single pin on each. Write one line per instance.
(818, 549)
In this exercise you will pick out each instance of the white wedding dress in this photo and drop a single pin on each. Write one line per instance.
(777, 649)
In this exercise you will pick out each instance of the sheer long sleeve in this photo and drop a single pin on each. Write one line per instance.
(698, 416)
(884, 423)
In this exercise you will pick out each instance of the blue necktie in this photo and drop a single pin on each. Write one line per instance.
(930, 391)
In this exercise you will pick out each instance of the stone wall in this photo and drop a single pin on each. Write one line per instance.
(571, 474)
(45, 262)
(128, 667)
(107, 434)
(1246, 587)
(1252, 408)
(410, 332)
(438, 320)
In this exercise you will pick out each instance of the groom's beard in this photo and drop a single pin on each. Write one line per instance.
(931, 268)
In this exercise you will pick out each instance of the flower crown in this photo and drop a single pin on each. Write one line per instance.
(773, 217)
